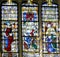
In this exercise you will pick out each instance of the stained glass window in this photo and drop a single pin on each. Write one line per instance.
(9, 26)
(50, 30)
(30, 30)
